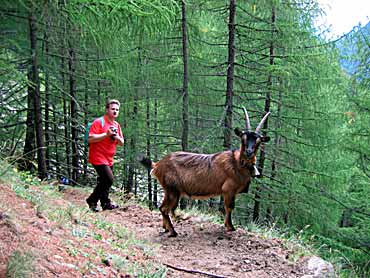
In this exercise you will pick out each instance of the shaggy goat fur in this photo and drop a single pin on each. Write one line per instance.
(201, 176)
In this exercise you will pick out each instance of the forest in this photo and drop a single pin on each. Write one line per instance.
(183, 71)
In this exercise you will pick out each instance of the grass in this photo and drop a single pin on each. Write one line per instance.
(79, 221)
(20, 265)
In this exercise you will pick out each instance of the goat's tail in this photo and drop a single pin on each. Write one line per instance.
(146, 162)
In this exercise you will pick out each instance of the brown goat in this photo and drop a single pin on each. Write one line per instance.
(201, 176)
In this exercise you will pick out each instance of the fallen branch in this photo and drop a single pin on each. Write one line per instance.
(194, 271)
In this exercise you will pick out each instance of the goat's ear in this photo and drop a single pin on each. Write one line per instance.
(238, 132)
(265, 138)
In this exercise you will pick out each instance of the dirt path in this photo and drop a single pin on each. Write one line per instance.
(206, 247)
(201, 247)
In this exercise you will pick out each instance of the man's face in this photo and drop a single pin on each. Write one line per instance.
(113, 110)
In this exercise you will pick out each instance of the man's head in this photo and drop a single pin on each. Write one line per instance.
(113, 108)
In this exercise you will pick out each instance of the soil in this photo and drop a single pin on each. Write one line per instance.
(87, 248)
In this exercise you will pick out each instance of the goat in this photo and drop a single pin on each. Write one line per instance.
(202, 176)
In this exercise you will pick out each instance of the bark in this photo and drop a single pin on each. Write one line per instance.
(262, 156)
(277, 142)
(185, 89)
(74, 116)
(66, 131)
(99, 81)
(228, 123)
(347, 218)
(37, 99)
(55, 128)
(25, 163)
(47, 103)
(131, 171)
(230, 76)
(66, 168)
(155, 190)
(148, 148)
(86, 120)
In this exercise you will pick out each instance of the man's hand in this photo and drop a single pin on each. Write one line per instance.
(119, 139)
(112, 133)
(108, 133)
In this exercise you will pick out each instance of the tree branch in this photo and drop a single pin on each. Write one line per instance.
(193, 271)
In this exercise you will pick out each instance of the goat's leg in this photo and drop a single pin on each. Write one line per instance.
(174, 197)
(174, 203)
(167, 204)
(164, 211)
(246, 188)
(229, 202)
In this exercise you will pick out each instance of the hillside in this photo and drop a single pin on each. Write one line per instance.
(47, 233)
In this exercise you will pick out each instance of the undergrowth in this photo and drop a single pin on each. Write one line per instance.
(302, 242)
(78, 220)
(20, 265)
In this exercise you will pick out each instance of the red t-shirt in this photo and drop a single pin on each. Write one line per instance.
(102, 152)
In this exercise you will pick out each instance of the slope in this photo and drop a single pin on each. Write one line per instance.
(47, 233)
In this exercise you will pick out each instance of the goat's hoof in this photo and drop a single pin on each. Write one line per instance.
(230, 229)
(163, 232)
(173, 234)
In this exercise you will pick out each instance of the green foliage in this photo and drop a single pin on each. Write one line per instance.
(20, 265)
(317, 163)
(122, 16)
(77, 220)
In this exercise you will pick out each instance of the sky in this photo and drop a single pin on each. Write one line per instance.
(343, 15)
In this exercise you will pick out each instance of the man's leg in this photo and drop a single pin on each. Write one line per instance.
(106, 180)
(93, 199)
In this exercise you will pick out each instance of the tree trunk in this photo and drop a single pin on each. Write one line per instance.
(230, 77)
(47, 103)
(277, 142)
(37, 99)
(25, 163)
(228, 123)
(131, 171)
(148, 149)
(347, 219)
(185, 88)
(86, 120)
(98, 73)
(66, 167)
(74, 116)
(155, 191)
(55, 128)
(261, 160)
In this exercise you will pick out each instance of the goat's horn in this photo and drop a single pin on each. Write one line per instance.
(262, 122)
(247, 122)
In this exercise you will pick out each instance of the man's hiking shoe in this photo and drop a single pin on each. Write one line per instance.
(93, 207)
(110, 207)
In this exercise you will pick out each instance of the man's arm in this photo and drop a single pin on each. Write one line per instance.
(119, 136)
(120, 140)
(99, 137)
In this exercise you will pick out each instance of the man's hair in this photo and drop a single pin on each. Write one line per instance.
(112, 101)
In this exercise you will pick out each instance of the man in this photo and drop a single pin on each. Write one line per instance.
(104, 136)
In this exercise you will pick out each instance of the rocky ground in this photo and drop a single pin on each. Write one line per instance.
(63, 239)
